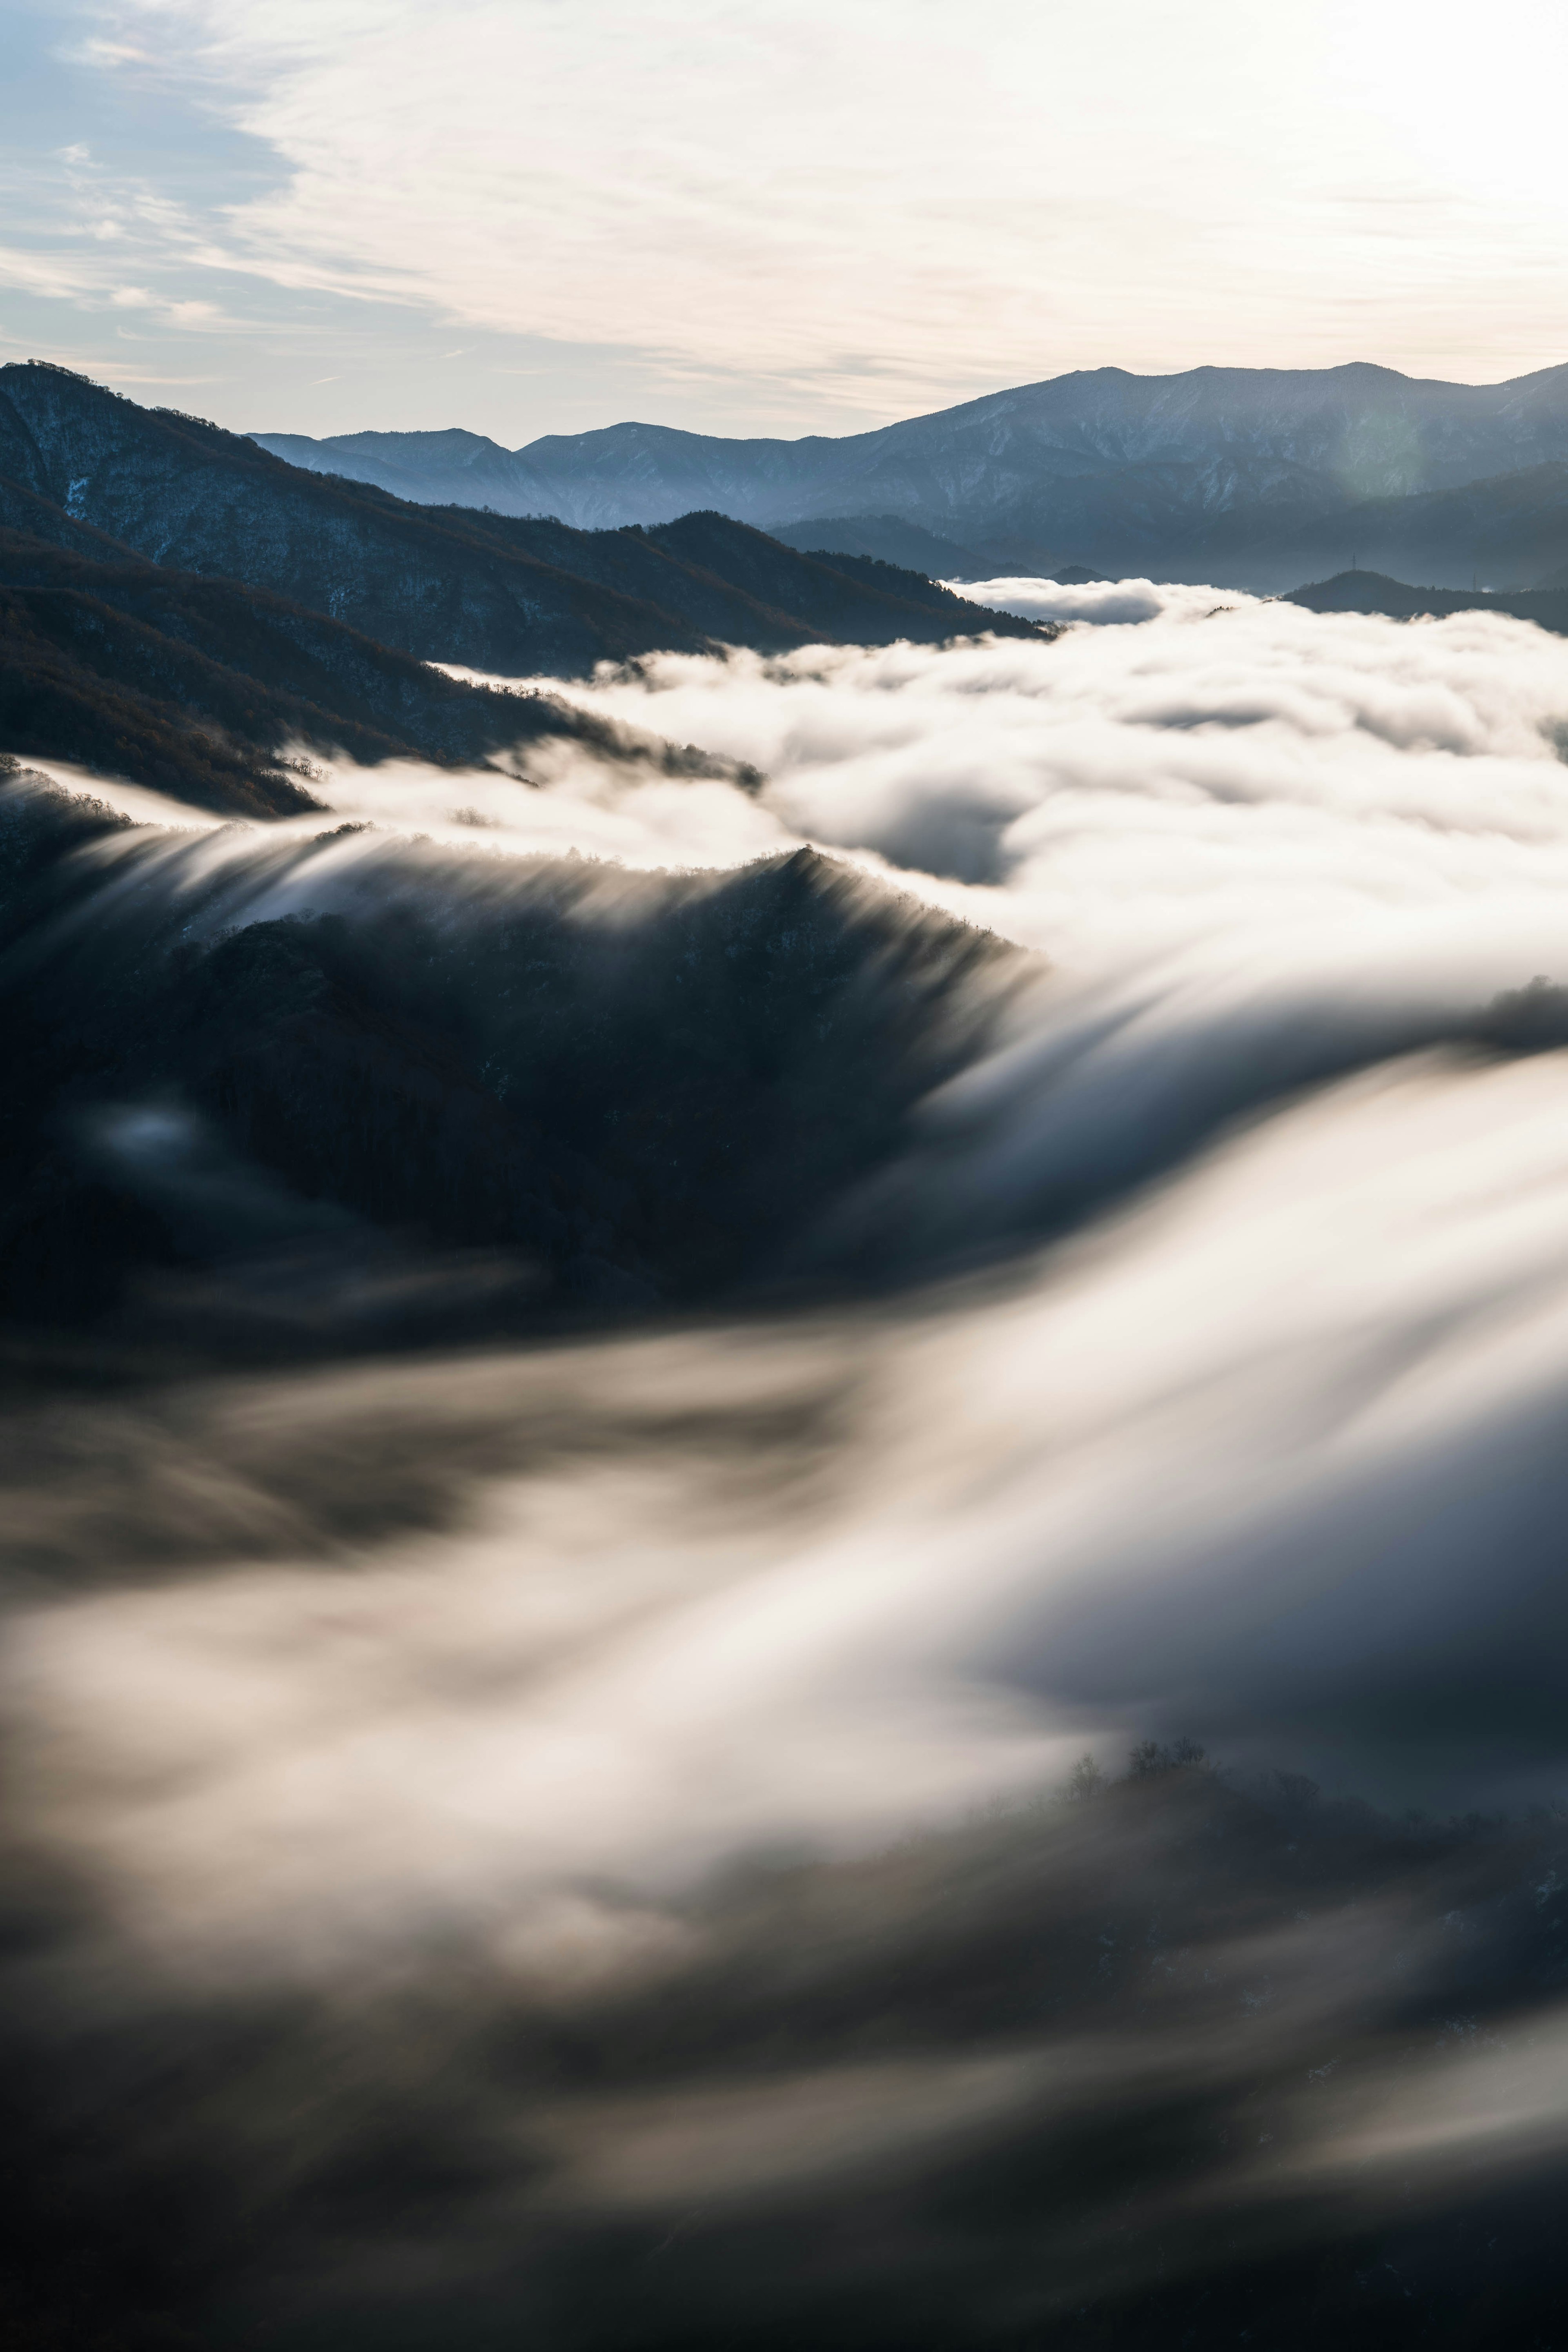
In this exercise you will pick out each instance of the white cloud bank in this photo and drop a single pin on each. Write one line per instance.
(1269, 1454)
(1213, 784)
(1104, 602)
(1206, 1471)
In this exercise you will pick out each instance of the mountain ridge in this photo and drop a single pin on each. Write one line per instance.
(184, 609)
(1375, 591)
(1099, 464)
(195, 686)
(449, 584)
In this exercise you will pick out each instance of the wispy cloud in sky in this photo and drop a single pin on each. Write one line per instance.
(788, 215)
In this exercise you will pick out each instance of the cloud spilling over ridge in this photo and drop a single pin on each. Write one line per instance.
(1180, 766)
(1271, 850)
(424, 1835)
(631, 816)
(439, 1703)
(1212, 777)
(1257, 847)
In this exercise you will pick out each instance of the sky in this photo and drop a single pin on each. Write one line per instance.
(784, 216)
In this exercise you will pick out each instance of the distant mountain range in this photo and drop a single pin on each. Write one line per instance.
(177, 604)
(1244, 476)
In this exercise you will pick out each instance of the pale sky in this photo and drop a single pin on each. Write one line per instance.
(782, 217)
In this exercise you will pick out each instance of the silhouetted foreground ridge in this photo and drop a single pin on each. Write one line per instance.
(447, 585)
(624, 1088)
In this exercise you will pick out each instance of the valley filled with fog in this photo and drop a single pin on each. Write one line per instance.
(784, 1178)
(1147, 1330)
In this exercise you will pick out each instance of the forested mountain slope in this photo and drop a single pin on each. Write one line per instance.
(194, 687)
(177, 607)
(453, 585)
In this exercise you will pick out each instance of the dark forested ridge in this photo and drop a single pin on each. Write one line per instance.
(452, 584)
(1373, 592)
(178, 606)
(187, 495)
(56, 706)
(632, 1086)
(194, 687)
(742, 587)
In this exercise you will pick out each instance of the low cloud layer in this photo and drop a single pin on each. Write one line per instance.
(1107, 603)
(1215, 1389)
(1264, 852)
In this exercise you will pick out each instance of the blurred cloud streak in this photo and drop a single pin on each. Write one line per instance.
(681, 1696)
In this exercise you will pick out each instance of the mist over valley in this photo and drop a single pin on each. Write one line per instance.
(785, 1331)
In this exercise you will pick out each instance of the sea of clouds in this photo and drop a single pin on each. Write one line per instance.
(1201, 1465)
(1236, 1412)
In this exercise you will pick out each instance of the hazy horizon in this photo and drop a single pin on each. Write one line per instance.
(1148, 376)
(360, 215)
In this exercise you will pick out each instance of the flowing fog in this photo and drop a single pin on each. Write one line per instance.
(1103, 601)
(1282, 866)
(1214, 1386)
(1258, 850)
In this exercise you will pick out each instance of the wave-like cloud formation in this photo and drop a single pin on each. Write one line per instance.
(1271, 850)
(1169, 771)
(1267, 1453)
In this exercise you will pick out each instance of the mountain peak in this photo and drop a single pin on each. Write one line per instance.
(1176, 475)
